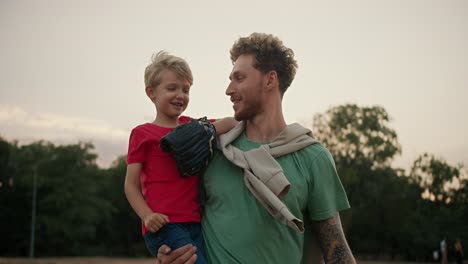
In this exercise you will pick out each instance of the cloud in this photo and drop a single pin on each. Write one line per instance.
(10, 114)
(18, 124)
(52, 125)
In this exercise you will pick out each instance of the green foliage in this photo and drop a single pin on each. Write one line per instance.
(124, 231)
(82, 209)
(15, 204)
(357, 135)
(389, 216)
(437, 178)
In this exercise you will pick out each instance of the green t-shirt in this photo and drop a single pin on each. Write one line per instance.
(236, 227)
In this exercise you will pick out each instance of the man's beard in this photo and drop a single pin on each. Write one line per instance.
(248, 113)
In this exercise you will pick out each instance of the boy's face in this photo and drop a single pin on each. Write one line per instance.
(171, 96)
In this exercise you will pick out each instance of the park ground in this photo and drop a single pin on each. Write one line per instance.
(103, 260)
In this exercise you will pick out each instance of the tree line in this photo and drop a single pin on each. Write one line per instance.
(81, 209)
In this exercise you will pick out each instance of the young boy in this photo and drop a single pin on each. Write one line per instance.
(167, 203)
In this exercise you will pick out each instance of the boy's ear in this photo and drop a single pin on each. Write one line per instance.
(150, 92)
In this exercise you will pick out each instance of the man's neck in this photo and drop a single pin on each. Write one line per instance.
(266, 126)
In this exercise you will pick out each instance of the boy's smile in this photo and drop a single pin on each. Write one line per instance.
(171, 98)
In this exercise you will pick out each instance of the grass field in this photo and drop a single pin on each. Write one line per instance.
(103, 260)
(78, 260)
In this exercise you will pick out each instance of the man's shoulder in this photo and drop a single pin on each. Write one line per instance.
(316, 149)
(315, 152)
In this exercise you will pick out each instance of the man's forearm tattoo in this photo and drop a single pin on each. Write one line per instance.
(332, 241)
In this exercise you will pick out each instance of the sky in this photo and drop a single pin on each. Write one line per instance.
(72, 71)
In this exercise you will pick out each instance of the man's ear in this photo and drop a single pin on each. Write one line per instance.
(271, 79)
(150, 93)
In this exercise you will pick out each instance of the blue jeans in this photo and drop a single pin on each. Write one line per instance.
(176, 235)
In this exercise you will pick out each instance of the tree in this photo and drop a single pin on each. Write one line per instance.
(128, 241)
(15, 213)
(443, 200)
(70, 204)
(357, 135)
(438, 180)
(4, 162)
(363, 145)
(461, 194)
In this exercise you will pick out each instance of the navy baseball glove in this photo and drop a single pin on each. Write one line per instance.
(192, 145)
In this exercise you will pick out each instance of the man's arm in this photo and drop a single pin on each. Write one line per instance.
(223, 125)
(332, 240)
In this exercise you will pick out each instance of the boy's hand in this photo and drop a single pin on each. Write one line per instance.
(154, 221)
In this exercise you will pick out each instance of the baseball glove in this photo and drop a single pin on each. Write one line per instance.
(191, 145)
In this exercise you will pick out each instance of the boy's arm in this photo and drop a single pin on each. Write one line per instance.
(223, 125)
(153, 221)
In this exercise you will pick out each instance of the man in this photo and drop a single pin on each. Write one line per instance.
(237, 226)
(443, 251)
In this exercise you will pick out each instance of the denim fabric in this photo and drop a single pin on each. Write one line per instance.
(176, 235)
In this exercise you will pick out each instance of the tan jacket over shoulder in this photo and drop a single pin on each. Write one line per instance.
(263, 176)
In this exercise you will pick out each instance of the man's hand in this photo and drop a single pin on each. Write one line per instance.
(154, 221)
(182, 255)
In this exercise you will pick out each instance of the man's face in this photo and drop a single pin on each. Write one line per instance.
(246, 88)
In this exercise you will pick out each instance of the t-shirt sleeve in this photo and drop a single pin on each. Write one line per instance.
(136, 147)
(326, 193)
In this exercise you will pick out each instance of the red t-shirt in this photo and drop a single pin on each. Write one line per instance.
(165, 191)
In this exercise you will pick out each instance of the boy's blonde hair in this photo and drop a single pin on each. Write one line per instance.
(163, 61)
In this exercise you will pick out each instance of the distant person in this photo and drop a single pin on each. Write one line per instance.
(167, 203)
(435, 255)
(242, 226)
(443, 251)
(458, 251)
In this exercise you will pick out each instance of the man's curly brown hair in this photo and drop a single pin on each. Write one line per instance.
(270, 54)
